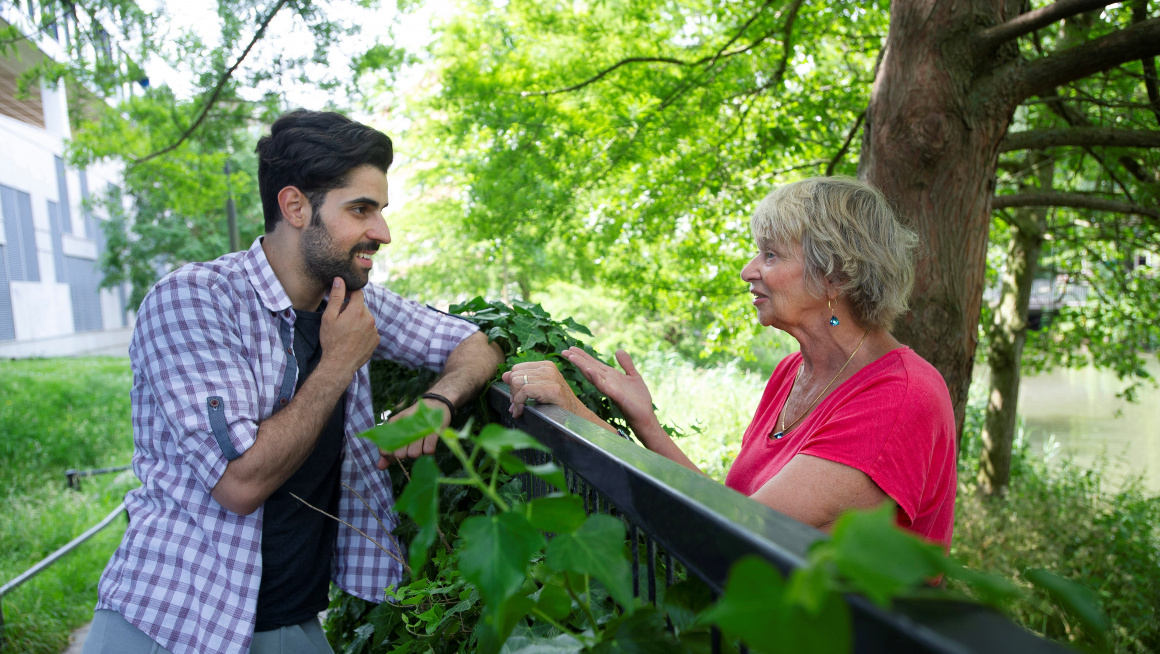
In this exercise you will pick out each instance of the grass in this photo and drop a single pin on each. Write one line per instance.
(55, 415)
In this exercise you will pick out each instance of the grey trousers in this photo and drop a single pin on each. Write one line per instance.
(112, 634)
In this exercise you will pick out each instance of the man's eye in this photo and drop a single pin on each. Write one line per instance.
(360, 209)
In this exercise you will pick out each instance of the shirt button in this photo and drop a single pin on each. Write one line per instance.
(213, 403)
(283, 401)
(289, 350)
(286, 313)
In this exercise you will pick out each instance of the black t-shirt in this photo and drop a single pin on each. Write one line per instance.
(297, 541)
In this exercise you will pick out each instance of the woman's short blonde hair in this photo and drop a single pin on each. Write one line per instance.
(851, 236)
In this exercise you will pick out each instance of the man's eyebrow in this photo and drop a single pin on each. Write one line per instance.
(363, 200)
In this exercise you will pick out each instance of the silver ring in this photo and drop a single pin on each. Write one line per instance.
(525, 380)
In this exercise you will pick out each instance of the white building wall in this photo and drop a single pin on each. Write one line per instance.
(42, 311)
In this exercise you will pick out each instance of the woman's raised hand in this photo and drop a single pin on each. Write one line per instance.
(626, 389)
(540, 381)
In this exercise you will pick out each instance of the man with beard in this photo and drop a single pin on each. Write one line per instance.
(250, 386)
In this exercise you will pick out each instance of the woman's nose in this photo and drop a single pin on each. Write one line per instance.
(749, 272)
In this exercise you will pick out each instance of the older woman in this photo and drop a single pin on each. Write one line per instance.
(855, 418)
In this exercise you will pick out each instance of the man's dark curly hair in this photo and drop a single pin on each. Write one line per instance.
(315, 151)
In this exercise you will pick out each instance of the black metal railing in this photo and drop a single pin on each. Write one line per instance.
(74, 477)
(685, 519)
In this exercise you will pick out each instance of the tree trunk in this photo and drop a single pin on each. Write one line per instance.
(1008, 333)
(931, 145)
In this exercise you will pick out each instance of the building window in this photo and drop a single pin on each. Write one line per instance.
(20, 250)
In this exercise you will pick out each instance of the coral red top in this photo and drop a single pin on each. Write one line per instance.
(893, 420)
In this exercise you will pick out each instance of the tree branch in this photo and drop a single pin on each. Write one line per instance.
(1077, 118)
(604, 73)
(1025, 79)
(710, 59)
(987, 40)
(1072, 200)
(1080, 136)
(846, 144)
(1151, 84)
(217, 90)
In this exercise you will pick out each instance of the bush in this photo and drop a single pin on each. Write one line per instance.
(1067, 519)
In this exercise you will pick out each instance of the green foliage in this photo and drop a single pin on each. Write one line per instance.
(525, 332)
(757, 609)
(1116, 326)
(1065, 519)
(172, 210)
(55, 415)
(643, 180)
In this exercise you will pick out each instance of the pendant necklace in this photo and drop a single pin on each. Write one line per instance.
(781, 418)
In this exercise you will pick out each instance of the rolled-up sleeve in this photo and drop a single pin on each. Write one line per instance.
(412, 334)
(189, 350)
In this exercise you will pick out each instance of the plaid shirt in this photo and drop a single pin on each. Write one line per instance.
(212, 357)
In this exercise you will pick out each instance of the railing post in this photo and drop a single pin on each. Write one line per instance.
(74, 478)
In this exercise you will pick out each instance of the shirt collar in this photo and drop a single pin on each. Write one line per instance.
(264, 281)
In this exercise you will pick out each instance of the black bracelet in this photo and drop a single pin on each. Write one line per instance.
(440, 398)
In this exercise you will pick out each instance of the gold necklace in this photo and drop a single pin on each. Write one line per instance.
(781, 418)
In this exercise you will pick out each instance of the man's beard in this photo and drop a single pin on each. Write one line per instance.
(323, 263)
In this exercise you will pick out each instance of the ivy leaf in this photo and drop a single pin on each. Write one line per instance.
(361, 635)
(532, 308)
(684, 600)
(574, 326)
(808, 588)
(756, 609)
(1077, 599)
(498, 332)
(476, 303)
(746, 608)
(495, 553)
(554, 601)
(557, 342)
(420, 500)
(528, 334)
(383, 617)
(549, 472)
(559, 644)
(880, 559)
(390, 436)
(496, 439)
(597, 549)
(643, 632)
(562, 514)
(496, 622)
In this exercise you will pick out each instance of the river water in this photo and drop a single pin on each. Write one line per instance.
(1077, 413)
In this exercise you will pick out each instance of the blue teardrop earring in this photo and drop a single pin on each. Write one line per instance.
(833, 318)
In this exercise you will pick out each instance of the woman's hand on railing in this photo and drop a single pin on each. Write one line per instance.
(540, 381)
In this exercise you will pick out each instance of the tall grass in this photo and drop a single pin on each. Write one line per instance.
(55, 415)
(711, 407)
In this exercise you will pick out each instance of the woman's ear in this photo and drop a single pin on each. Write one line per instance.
(295, 207)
